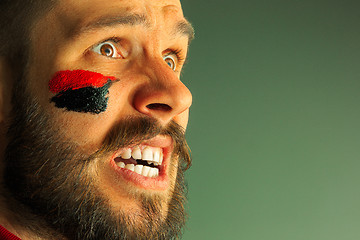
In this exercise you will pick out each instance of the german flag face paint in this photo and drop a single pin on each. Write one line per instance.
(81, 91)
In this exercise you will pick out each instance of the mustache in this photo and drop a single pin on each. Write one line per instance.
(133, 130)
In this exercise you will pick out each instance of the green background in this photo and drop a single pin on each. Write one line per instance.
(274, 125)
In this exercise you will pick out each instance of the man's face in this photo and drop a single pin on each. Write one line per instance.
(95, 64)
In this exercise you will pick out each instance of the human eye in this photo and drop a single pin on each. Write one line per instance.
(170, 61)
(173, 59)
(107, 49)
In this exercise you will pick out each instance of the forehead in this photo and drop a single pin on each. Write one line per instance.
(77, 14)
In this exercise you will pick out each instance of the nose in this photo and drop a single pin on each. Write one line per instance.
(162, 96)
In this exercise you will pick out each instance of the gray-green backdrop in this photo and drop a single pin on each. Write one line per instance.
(274, 126)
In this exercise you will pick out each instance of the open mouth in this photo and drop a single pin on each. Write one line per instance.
(143, 160)
(146, 165)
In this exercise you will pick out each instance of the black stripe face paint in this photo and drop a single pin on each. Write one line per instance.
(81, 91)
(87, 99)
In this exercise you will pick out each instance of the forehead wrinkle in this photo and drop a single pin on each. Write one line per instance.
(182, 26)
(111, 21)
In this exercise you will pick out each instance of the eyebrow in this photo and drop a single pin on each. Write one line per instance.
(109, 21)
(182, 28)
(185, 28)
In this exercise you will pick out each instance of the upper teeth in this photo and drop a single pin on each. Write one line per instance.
(150, 154)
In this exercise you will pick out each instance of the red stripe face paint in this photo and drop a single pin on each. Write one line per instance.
(65, 80)
(80, 90)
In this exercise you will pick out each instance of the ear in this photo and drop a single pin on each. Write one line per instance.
(5, 89)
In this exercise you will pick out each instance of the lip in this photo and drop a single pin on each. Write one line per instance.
(161, 182)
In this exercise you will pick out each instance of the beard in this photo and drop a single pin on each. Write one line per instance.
(49, 182)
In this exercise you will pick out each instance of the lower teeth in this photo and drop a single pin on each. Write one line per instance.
(140, 169)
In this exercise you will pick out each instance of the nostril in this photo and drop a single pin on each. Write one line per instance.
(159, 107)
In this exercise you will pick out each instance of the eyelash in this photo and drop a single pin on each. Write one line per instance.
(179, 55)
(114, 39)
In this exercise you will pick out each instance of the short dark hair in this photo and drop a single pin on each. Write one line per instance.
(17, 18)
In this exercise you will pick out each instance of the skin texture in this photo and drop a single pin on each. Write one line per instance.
(147, 86)
(145, 77)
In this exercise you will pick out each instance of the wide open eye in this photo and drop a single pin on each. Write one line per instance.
(170, 60)
(107, 49)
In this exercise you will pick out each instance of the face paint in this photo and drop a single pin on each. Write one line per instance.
(81, 91)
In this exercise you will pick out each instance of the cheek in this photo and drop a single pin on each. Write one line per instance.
(182, 119)
(81, 91)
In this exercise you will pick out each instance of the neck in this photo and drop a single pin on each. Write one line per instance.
(21, 222)
(17, 218)
(12, 221)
